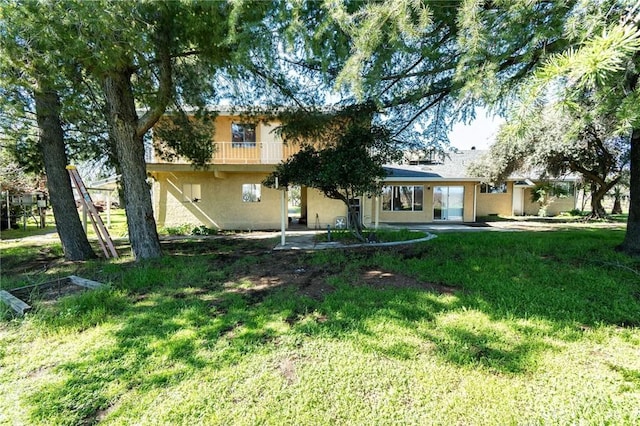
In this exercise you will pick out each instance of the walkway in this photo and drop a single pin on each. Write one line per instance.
(304, 240)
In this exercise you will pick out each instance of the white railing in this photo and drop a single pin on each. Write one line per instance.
(244, 153)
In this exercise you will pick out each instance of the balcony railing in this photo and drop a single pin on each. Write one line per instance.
(244, 153)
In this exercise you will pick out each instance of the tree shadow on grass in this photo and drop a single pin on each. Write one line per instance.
(410, 323)
(209, 307)
(159, 339)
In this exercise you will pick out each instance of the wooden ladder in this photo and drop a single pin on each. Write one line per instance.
(104, 239)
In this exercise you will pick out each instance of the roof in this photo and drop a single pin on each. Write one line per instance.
(454, 166)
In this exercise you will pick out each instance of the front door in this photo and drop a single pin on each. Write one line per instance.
(518, 201)
(448, 203)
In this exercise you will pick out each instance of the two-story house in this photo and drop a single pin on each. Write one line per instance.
(228, 194)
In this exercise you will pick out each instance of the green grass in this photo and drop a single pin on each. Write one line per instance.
(117, 229)
(525, 328)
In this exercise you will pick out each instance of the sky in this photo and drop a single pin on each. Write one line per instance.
(479, 133)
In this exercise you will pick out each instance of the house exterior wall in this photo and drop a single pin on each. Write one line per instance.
(557, 206)
(267, 149)
(495, 204)
(219, 190)
(326, 209)
(221, 204)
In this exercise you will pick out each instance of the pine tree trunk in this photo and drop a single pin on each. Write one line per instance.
(122, 118)
(51, 143)
(631, 243)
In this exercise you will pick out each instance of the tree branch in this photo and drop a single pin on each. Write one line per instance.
(165, 88)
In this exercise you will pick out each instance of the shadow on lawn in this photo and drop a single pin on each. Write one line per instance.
(214, 303)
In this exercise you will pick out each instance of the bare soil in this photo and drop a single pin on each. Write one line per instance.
(292, 269)
(47, 292)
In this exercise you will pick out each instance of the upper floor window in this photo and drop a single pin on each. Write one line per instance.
(487, 188)
(243, 135)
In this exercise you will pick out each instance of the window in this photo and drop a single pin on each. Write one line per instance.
(565, 188)
(243, 135)
(402, 198)
(191, 193)
(251, 192)
(487, 188)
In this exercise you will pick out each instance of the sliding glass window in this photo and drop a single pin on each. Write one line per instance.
(402, 198)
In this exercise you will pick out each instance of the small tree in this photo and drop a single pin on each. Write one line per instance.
(544, 194)
(350, 166)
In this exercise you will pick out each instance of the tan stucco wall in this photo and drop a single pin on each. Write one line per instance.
(556, 207)
(490, 204)
(326, 209)
(221, 205)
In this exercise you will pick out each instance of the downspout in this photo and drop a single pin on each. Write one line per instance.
(475, 202)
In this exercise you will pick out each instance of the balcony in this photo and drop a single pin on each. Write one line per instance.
(241, 153)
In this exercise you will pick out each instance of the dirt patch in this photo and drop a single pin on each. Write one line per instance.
(293, 271)
(307, 281)
(384, 279)
(47, 292)
(287, 368)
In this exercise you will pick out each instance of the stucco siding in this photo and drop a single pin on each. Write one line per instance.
(557, 206)
(495, 204)
(324, 209)
(221, 205)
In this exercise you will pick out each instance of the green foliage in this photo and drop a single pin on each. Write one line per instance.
(182, 136)
(568, 137)
(378, 235)
(184, 229)
(544, 193)
(347, 158)
(203, 230)
(188, 229)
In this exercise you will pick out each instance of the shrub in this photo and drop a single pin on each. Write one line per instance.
(184, 229)
(203, 230)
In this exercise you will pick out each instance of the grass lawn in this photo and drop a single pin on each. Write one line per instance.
(469, 328)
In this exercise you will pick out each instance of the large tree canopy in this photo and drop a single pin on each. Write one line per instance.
(428, 63)
(142, 58)
(425, 63)
(558, 140)
(32, 118)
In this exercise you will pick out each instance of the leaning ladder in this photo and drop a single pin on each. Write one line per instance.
(104, 239)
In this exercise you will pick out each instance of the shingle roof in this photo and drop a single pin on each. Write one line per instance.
(454, 166)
